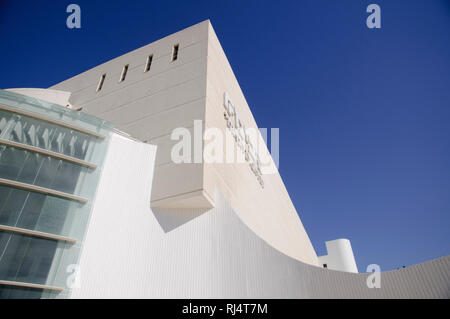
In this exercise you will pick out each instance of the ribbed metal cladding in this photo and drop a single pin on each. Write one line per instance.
(213, 254)
(269, 273)
(425, 280)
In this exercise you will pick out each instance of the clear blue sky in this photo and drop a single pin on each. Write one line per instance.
(364, 115)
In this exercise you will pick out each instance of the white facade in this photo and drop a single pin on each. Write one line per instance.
(149, 105)
(134, 251)
(340, 256)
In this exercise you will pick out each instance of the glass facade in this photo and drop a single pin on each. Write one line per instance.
(26, 258)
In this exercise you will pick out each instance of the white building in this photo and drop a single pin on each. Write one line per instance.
(95, 202)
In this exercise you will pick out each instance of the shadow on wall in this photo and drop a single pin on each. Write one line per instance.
(170, 219)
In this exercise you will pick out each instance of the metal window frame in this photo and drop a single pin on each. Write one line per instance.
(47, 153)
(42, 190)
(30, 285)
(36, 233)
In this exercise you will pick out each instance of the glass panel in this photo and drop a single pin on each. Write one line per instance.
(34, 211)
(54, 111)
(25, 258)
(13, 292)
(33, 259)
(29, 131)
(40, 170)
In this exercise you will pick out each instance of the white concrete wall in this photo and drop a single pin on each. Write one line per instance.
(340, 256)
(268, 211)
(149, 105)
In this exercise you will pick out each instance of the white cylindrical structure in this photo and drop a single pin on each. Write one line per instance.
(340, 256)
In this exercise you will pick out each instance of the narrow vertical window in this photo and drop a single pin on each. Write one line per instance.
(100, 83)
(124, 73)
(175, 52)
(149, 63)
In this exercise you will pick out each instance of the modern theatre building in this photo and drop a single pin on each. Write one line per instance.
(147, 177)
